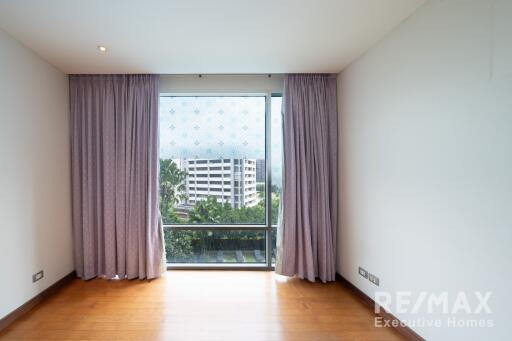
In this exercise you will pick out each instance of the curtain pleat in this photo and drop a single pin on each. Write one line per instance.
(307, 228)
(114, 152)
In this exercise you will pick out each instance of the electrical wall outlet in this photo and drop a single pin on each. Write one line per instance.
(374, 279)
(363, 272)
(37, 276)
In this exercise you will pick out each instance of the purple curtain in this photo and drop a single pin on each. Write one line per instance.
(307, 232)
(114, 160)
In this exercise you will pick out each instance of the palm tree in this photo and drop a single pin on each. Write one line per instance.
(172, 187)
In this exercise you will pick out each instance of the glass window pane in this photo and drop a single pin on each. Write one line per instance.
(215, 246)
(276, 132)
(212, 159)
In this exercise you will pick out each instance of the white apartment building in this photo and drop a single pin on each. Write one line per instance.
(231, 181)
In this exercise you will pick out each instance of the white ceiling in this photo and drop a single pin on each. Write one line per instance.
(202, 36)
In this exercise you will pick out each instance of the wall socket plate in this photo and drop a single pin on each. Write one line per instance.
(37, 276)
(363, 272)
(374, 279)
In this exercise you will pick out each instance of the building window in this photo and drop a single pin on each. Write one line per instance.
(225, 142)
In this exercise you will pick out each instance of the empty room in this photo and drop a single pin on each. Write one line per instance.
(289, 170)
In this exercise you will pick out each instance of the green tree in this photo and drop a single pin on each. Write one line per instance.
(276, 200)
(210, 211)
(178, 245)
(260, 187)
(172, 189)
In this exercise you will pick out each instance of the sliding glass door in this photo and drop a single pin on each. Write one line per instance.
(217, 199)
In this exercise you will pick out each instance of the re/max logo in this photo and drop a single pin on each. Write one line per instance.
(429, 302)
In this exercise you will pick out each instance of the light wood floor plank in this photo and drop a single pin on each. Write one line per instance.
(202, 305)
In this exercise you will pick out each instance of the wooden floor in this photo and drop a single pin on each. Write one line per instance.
(202, 306)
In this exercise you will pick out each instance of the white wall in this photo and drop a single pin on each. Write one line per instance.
(35, 212)
(426, 161)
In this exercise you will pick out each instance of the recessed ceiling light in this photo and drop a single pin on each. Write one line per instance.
(102, 49)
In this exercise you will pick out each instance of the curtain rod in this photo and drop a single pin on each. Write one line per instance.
(269, 75)
(222, 74)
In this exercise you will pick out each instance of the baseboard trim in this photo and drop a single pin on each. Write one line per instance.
(387, 316)
(27, 306)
